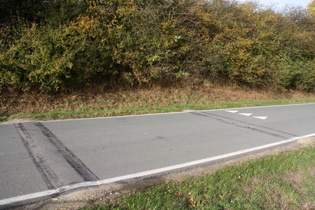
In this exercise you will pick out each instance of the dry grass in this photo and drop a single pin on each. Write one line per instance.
(89, 100)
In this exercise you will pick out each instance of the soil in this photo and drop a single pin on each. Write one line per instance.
(108, 193)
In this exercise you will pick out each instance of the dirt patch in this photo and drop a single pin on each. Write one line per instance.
(108, 193)
(252, 183)
(296, 178)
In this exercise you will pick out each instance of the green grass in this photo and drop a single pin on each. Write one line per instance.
(282, 181)
(97, 103)
(89, 111)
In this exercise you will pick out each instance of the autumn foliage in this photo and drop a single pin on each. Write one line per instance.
(113, 43)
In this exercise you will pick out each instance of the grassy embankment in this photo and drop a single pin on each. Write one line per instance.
(140, 101)
(281, 181)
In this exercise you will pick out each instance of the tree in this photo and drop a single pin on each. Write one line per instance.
(311, 8)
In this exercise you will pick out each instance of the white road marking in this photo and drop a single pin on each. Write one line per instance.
(232, 111)
(21, 198)
(10, 201)
(260, 117)
(246, 114)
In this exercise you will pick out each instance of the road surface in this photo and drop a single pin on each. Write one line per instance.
(43, 159)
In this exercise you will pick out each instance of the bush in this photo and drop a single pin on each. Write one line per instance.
(296, 75)
(125, 42)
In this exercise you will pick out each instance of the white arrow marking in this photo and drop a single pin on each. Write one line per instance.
(232, 111)
(260, 117)
(245, 114)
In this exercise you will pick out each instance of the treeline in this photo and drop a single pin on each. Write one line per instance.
(57, 45)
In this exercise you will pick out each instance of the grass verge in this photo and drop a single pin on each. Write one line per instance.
(87, 113)
(139, 101)
(281, 181)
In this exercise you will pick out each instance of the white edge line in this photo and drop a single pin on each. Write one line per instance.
(98, 118)
(16, 199)
(164, 113)
(76, 186)
(21, 198)
(111, 117)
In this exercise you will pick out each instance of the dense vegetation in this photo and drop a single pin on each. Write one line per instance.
(57, 45)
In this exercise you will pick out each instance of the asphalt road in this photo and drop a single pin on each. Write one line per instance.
(43, 159)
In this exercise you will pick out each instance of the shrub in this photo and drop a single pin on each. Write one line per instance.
(143, 42)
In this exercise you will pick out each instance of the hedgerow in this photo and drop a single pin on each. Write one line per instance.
(74, 44)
